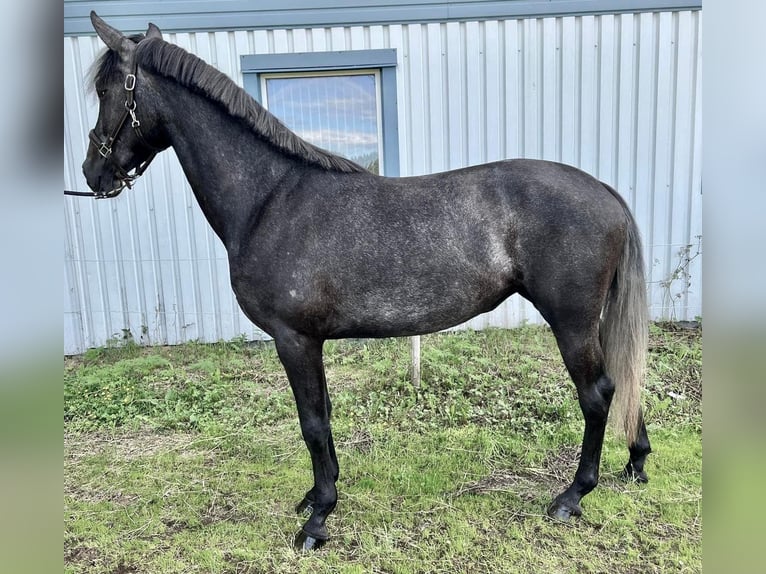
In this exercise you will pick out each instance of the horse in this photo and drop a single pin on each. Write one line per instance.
(320, 248)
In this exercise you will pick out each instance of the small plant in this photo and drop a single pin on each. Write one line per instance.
(686, 255)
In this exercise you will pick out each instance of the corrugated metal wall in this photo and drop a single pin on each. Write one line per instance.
(617, 95)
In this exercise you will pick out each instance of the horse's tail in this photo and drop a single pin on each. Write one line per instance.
(625, 330)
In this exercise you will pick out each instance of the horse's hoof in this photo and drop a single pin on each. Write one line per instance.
(629, 473)
(563, 512)
(305, 542)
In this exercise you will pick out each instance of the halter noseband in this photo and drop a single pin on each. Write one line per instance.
(104, 147)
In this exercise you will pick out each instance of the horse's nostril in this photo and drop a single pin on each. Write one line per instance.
(92, 178)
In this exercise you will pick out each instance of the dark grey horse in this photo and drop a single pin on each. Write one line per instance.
(320, 248)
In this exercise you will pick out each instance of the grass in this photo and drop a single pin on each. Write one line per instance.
(189, 459)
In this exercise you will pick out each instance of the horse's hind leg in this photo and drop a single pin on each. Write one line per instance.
(639, 450)
(302, 359)
(583, 357)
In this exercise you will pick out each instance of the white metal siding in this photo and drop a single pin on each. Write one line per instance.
(617, 95)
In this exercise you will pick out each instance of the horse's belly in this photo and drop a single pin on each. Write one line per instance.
(385, 313)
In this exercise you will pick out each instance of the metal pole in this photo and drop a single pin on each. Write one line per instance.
(415, 355)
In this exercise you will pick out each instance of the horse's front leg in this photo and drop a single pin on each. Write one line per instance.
(302, 359)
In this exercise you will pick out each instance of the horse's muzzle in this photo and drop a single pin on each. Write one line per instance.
(98, 175)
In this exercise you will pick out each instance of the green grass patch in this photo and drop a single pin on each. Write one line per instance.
(189, 459)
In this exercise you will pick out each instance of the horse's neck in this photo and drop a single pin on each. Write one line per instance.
(232, 172)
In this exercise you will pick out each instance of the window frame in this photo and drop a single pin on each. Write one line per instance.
(256, 67)
(374, 72)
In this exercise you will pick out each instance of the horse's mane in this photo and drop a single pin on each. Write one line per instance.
(169, 60)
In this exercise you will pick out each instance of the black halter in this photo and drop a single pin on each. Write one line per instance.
(104, 146)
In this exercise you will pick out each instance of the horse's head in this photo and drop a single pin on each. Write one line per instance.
(121, 139)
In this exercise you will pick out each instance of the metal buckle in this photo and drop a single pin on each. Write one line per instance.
(130, 82)
(104, 150)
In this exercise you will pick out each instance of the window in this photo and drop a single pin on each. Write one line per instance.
(338, 111)
(344, 102)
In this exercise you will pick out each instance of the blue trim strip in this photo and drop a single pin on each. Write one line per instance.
(307, 61)
(390, 113)
(183, 16)
(252, 84)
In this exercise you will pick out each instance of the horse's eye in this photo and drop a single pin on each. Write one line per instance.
(101, 93)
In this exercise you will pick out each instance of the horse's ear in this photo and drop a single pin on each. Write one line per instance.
(114, 39)
(153, 32)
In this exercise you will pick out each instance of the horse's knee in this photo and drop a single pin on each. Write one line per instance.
(315, 430)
